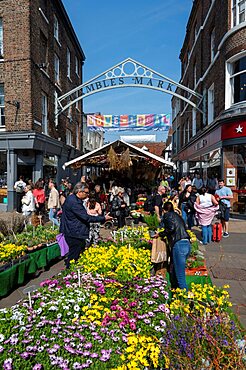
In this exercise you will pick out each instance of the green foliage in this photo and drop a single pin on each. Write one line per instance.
(151, 221)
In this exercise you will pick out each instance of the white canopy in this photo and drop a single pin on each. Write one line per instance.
(119, 146)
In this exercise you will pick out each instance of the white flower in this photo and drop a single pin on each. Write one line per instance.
(1, 337)
(76, 308)
(39, 310)
(53, 308)
(59, 315)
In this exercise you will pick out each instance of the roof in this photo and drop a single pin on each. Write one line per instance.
(154, 148)
(119, 146)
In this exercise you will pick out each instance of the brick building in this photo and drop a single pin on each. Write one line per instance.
(40, 59)
(213, 58)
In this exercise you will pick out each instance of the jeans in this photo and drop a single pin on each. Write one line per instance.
(180, 253)
(183, 212)
(76, 247)
(190, 220)
(206, 234)
(52, 216)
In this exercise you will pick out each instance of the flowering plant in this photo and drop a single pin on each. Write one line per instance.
(9, 252)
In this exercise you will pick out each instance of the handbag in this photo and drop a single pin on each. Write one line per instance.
(62, 244)
(159, 251)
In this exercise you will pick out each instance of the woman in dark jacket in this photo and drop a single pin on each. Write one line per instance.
(179, 243)
(186, 204)
(118, 208)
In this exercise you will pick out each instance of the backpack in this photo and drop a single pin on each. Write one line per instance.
(19, 188)
(115, 207)
(149, 204)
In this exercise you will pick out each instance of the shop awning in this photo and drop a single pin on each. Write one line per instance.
(99, 156)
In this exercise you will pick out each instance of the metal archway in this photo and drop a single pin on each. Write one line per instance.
(128, 73)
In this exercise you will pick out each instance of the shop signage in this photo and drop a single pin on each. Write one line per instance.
(233, 130)
(129, 122)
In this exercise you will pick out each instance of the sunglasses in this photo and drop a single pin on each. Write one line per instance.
(86, 192)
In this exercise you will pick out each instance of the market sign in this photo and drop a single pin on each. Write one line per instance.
(122, 122)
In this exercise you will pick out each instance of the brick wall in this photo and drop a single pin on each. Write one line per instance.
(24, 26)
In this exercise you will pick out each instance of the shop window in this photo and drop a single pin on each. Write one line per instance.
(56, 28)
(68, 63)
(3, 176)
(2, 106)
(211, 104)
(236, 81)
(44, 114)
(57, 68)
(238, 12)
(1, 38)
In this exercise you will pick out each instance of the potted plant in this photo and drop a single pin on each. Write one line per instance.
(152, 223)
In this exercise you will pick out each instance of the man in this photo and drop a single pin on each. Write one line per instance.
(75, 222)
(197, 182)
(158, 201)
(19, 187)
(224, 194)
(53, 203)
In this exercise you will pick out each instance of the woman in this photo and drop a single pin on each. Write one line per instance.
(179, 243)
(39, 195)
(118, 207)
(28, 203)
(186, 204)
(93, 209)
(206, 206)
(174, 199)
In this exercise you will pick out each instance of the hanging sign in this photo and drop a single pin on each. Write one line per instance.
(129, 122)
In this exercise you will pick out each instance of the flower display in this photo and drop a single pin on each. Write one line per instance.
(9, 252)
(126, 262)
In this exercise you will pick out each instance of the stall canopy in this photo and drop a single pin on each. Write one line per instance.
(104, 156)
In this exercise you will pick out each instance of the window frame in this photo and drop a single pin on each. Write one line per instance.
(68, 63)
(2, 106)
(77, 66)
(235, 12)
(69, 139)
(57, 68)
(1, 38)
(210, 104)
(56, 29)
(44, 117)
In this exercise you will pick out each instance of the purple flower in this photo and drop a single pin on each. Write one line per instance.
(37, 367)
(94, 355)
(88, 345)
(86, 353)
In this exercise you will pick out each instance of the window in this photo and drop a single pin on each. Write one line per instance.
(56, 108)
(77, 103)
(211, 104)
(43, 51)
(1, 38)
(69, 111)
(77, 136)
(44, 114)
(194, 75)
(68, 63)
(76, 66)
(193, 122)
(236, 81)
(238, 12)
(2, 114)
(57, 68)
(56, 28)
(68, 137)
(212, 45)
(196, 30)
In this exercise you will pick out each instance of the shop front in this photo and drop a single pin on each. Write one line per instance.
(220, 152)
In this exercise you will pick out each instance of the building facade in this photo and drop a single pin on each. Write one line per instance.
(40, 59)
(212, 140)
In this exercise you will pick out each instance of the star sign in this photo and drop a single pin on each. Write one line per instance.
(239, 129)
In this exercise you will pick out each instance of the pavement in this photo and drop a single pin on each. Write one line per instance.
(229, 254)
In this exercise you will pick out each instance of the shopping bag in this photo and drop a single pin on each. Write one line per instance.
(159, 251)
(62, 244)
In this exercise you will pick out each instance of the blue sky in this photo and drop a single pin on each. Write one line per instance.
(149, 31)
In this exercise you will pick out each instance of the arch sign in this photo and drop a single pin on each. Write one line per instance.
(128, 73)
